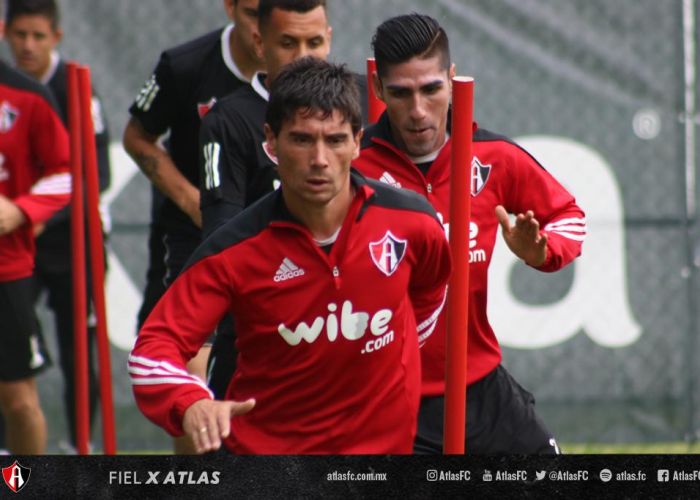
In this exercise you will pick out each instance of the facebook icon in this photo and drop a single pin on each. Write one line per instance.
(662, 475)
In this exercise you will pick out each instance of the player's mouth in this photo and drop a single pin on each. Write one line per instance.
(25, 59)
(419, 132)
(317, 183)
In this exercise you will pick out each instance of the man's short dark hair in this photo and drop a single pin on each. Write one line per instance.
(402, 38)
(46, 8)
(313, 86)
(265, 8)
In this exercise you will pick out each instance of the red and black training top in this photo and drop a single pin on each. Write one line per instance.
(34, 164)
(502, 173)
(328, 342)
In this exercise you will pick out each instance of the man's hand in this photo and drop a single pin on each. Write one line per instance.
(524, 238)
(208, 421)
(11, 216)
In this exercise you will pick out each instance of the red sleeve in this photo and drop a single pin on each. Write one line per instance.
(560, 218)
(173, 333)
(50, 147)
(428, 285)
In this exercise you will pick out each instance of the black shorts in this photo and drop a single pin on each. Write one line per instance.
(23, 353)
(501, 419)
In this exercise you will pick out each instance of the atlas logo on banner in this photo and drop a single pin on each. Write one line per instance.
(387, 253)
(16, 476)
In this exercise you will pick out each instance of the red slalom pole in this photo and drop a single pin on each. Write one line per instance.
(77, 233)
(97, 266)
(458, 291)
(375, 107)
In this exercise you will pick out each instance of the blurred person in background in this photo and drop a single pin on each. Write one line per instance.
(185, 84)
(33, 32)
(410, 147)
(34, 184)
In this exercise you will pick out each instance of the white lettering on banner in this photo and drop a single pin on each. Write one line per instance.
(597, 301)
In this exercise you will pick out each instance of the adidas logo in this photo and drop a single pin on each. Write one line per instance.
(287, 271)
(387, 178)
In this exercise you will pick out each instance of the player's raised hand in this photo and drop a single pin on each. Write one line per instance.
(524, 238)
(208, 421)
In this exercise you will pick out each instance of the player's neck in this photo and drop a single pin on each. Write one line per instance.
(323, 221)
(247, 63)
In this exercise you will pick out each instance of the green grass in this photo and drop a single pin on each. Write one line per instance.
(631, 449)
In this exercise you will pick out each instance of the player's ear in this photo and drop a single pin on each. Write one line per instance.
(358, 139)
(58, 36)
(270, 139)
(377, 84)
(229, 6)
(2, 29)
(258, 42)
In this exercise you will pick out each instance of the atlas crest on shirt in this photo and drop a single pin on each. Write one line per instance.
(8, 116)
(480, 176)
(388, 252)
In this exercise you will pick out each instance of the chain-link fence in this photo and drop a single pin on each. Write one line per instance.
(596, 90)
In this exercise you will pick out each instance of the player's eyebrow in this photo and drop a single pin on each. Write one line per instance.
(395, 86)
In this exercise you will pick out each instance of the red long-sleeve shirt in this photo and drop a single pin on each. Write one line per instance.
(34, 165)
(328, 343)
(502, 174)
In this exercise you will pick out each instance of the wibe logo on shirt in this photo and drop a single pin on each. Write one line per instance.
(352, 325)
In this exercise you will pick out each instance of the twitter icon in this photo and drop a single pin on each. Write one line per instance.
(539, 475)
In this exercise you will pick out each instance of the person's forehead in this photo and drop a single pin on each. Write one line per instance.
(415, 72)
(37, 22)
(311, 23)
(247, 4)
(305, 120)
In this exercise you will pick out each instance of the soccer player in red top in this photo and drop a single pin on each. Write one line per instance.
(34, 184)
(333, 281)
(410, 147)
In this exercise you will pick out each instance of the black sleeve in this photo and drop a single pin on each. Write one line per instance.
(156, 102)
(223, 155)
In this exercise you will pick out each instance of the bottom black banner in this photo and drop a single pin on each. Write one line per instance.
(219, 475)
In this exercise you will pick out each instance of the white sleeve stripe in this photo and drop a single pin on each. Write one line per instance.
(168, 380)
(433, 317)
(570, 227)
(575, 237)
(154, 376)
(424, 336)
(151, 371)
(155, 364)
(54, 184)
(570, 220)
